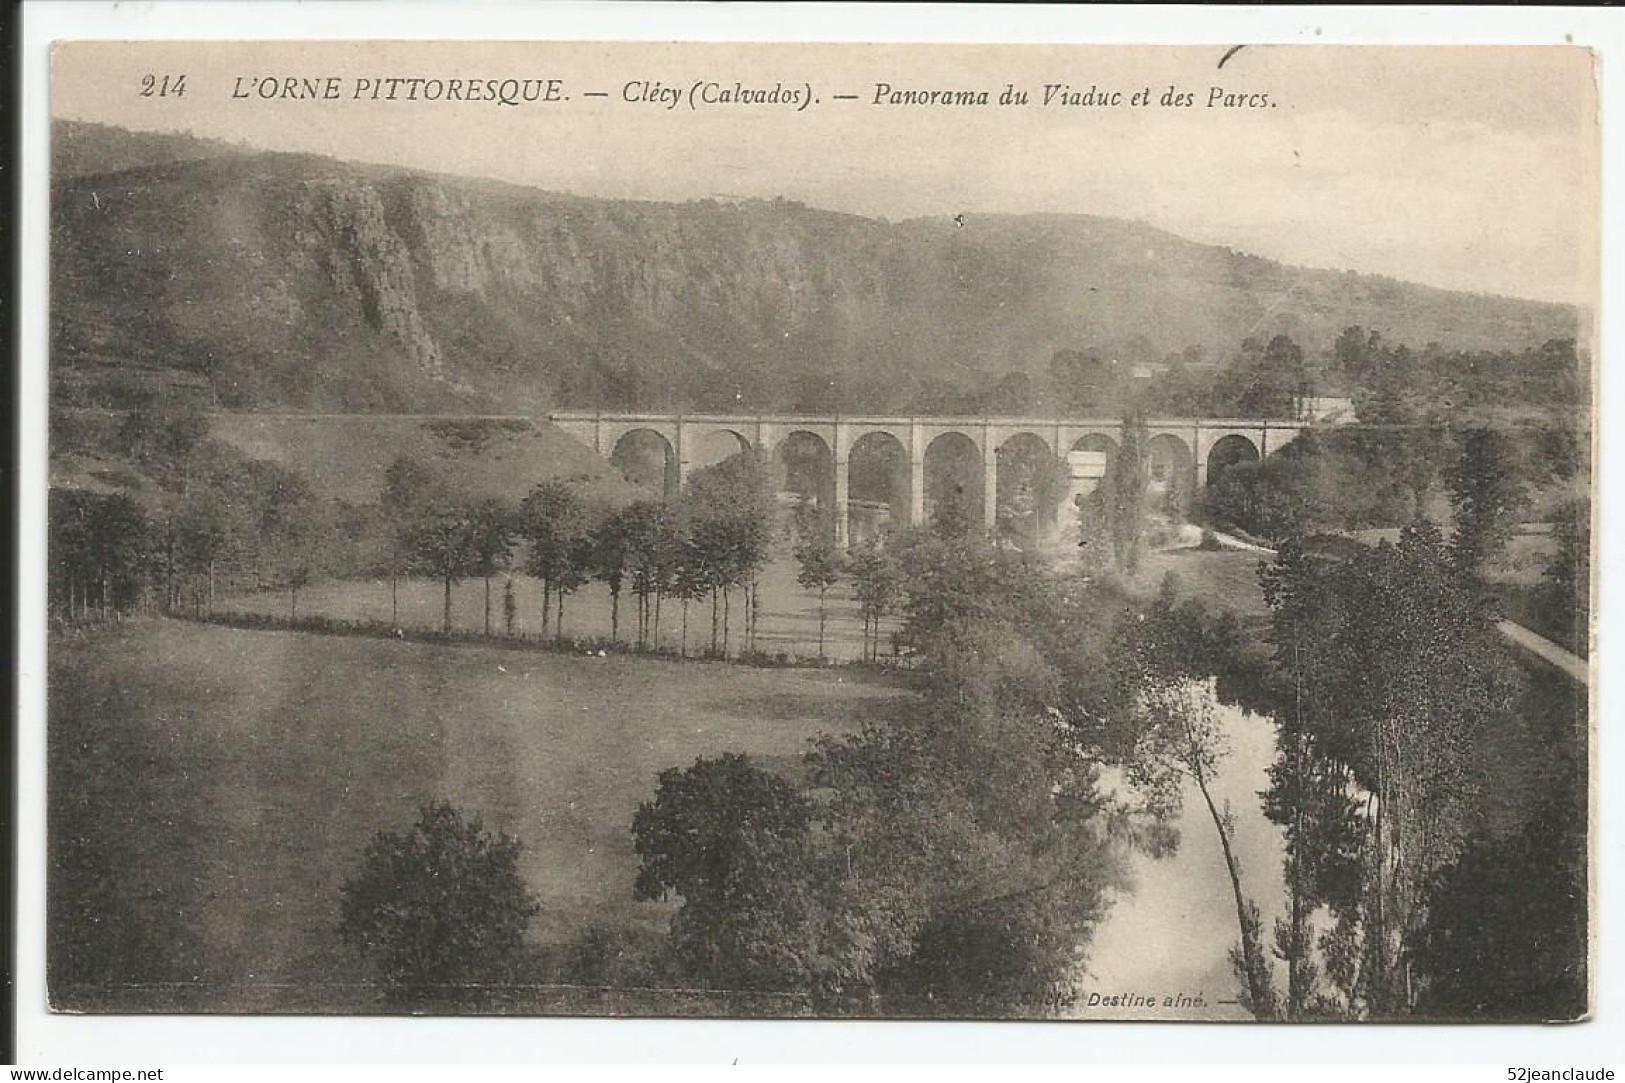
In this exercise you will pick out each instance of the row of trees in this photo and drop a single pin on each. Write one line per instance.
(1264, 378)
(215, 520)
(220, 522)
(212, 520)
(1275, 377)
(100, 547)
(1387, 680)
(711, 542)
(1393, 383)
(870, 567)
(1408, 892)
(1351, 479)
(1387, 672)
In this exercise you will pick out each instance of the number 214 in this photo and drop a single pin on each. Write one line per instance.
(165, 86)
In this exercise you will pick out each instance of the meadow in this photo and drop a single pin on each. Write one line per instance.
(211, 788)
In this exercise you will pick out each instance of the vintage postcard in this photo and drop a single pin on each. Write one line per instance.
(822, 531)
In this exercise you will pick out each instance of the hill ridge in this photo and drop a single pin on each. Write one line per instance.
(284, 280)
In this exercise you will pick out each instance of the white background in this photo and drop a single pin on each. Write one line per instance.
(151, 1041)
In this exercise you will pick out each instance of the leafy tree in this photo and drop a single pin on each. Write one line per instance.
(1554, 373)
(1354, 354)
(1389, 389)
(950, 514)
(1031, 485)
(445, 543)
(729, 512)
(689, 581)
(622, 956)
(1567, 583)
(607, 561)
(1094, 536)
(952, 864)
(810, 520)
(555, 524)
(1080, 380)
(440, 909)
(875, 582)
(101, 548)
(295, 533)
(1178, 737)
(409, 488)
(651, 533)
(1293, 494)
(408, 485)
(1507, 932)
(1123, 493)
(660, 540)
(1275, 382)
(970, 828)
(1183, 392)
(951, 588)
(729, 838)
(1181, 718)
(958, 854)
(570, 577)
(1487, 494)
(1507, 935)
(1560, 452)
(820, 567)
(207, 534)
(491, 542)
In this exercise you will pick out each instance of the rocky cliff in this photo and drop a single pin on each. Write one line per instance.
(282, 281)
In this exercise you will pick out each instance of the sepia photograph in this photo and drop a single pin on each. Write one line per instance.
(822, 531)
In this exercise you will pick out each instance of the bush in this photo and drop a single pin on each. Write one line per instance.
(734, 841)
(615, 956)
(441, 910)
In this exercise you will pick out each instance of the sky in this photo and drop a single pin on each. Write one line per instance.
(1470, 168)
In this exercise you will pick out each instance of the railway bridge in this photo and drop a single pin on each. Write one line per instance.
(1200, 449)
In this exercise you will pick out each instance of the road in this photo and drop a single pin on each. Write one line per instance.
(1547, 651)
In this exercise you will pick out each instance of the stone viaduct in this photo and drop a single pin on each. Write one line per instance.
(1202, 447)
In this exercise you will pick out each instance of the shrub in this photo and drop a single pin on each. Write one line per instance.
(441, 910)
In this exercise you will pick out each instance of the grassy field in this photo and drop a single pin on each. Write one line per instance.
(789, 614)
(211, 788)
(1221, 578)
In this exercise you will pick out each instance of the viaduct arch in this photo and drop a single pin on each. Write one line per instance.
(1201, 446)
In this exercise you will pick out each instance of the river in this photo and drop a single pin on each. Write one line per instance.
(1169, 936)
